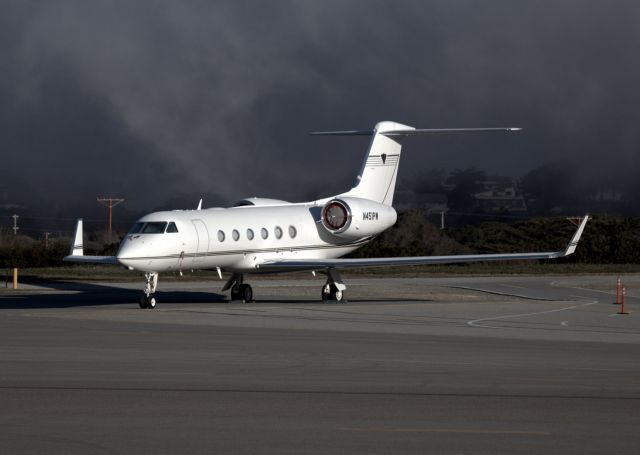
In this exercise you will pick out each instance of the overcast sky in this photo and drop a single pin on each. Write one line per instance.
(162, 102)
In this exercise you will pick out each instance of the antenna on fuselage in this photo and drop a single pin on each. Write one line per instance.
(199, 205)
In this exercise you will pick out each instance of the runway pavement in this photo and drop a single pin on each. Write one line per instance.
(410, 365)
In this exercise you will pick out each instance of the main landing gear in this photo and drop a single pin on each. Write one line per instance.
(333, 289)
(239, 290)
(148, 299)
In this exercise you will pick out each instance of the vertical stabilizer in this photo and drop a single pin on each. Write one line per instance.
(76, 247)
(377, 177)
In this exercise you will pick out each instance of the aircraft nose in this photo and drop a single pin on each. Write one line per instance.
(126, 252)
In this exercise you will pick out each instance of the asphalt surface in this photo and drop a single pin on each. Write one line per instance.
(410, 365)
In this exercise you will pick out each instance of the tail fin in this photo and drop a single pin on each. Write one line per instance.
(377, 177)
(77, 249)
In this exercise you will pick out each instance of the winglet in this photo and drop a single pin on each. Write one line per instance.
(77, 251)
(573, 243)
(77, 248)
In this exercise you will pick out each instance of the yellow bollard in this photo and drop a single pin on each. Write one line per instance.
(15, 278)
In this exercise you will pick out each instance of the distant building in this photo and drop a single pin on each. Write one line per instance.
(430, 203)
(500, 194)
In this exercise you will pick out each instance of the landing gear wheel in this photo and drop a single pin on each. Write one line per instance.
(147, 301)
(235, 292)
(330, 293)
(246, 293)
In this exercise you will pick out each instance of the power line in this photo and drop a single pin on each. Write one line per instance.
(110, 203)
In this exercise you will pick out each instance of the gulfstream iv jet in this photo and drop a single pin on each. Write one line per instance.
(260, 235)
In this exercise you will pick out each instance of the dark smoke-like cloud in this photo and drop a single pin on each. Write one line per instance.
(162, 102)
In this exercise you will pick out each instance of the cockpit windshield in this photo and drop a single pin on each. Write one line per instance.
(136, 228)
(153, 227)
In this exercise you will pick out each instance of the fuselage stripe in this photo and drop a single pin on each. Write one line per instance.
(238, 252)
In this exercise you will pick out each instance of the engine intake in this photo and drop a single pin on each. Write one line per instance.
(336, 216)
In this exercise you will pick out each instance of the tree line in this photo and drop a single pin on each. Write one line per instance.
(606, 240)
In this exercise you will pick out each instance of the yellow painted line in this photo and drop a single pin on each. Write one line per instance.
(446, 430)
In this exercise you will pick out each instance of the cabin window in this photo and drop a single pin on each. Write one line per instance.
(221, 236)
(250, 234)
(136, 228)
(235, 234)
(156, 227)
(172, 227)
(292, 232)
(278, 232)
(264, 233)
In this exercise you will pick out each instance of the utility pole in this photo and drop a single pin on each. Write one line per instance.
(46, 240)
(110, 203)
(15, 224)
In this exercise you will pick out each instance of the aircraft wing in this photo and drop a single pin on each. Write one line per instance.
(91, 259)
(310, 264)
(77, 251)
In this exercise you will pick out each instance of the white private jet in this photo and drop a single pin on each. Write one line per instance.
(260, 235)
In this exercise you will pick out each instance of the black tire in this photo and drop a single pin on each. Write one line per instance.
(336, 295)
(235, 292)
(246, 293)
(143, 302)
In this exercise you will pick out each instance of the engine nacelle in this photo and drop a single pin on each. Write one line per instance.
(354, 218)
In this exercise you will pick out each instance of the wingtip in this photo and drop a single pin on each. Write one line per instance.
(573, 243)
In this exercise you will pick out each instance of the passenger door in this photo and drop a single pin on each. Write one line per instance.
(202, 242)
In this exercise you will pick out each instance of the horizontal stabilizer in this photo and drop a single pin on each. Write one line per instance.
(411, 132)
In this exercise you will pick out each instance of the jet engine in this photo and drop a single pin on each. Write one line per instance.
(354, 218)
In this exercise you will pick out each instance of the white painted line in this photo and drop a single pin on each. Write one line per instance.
(564, 323)
(475, 322)
(558, 284)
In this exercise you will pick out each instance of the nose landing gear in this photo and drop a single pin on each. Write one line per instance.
(148, 299)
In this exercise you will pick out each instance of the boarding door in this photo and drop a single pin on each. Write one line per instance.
(202, 245)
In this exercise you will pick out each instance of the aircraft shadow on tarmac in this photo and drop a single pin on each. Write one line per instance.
(69, 294)
(78, 294)
(346, 300)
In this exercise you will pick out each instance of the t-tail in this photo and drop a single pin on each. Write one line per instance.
(377, 176)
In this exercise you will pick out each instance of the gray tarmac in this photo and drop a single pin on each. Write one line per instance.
(464, 365)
